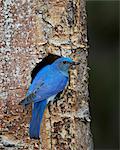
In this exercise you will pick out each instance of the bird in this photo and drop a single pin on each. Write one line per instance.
(49, 81)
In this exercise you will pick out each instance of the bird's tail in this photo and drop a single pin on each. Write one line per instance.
(37, 115)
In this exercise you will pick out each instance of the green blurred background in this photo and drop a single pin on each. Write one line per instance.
(103, 34)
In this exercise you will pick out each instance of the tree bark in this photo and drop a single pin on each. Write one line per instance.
(29, 30)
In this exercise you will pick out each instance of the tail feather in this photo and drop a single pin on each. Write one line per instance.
(37, 115)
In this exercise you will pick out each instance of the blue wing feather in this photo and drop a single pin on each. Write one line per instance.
(39, 79)
(51, 88)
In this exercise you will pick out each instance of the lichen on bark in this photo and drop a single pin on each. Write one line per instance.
(30, 30)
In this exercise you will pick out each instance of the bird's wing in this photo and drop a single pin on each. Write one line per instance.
(52, 85)
(47, 83)
(31, 95)
(37, 83)
(39, 79)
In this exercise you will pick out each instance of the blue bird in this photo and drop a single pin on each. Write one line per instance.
(48, 82)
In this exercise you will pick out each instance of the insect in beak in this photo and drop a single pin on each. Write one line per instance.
(75, 63)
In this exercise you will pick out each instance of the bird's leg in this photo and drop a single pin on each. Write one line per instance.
(49, 108)
(58, 97)
(56, 103)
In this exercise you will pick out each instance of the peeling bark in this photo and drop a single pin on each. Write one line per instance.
(29, 30)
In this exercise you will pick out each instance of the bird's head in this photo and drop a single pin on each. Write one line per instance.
(64, 63)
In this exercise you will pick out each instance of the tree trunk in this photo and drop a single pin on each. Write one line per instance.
(29, 30)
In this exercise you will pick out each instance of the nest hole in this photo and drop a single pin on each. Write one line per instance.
(49, 59)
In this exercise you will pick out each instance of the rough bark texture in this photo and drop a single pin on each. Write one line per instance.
(29, 30)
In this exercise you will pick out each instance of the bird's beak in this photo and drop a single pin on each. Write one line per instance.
(75, 63)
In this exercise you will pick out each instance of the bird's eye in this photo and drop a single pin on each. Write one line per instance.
(64, 62)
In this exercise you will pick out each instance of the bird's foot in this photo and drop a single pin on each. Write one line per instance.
(49, 108)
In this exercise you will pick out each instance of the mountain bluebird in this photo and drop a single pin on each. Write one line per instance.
(48, 82)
